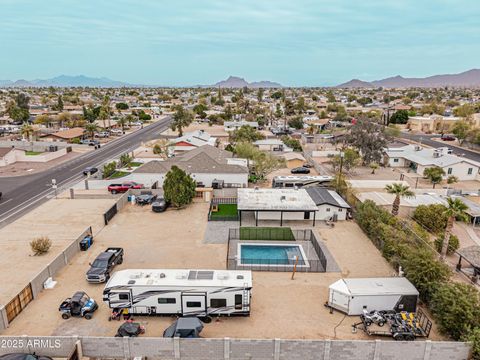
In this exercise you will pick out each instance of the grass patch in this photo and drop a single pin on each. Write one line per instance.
(32, 153)
(136, 164)
(267, 233)
(118, 174)
(225, 211)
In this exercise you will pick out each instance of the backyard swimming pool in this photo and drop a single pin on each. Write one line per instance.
(271, 254)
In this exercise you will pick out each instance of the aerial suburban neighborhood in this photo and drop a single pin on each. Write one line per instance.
(238, 220)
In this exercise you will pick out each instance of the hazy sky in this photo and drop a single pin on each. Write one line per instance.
(188, 42)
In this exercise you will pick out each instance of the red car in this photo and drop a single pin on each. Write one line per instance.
(121, 188)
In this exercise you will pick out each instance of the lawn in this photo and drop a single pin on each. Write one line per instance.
(118, 174)
(225, 211)
(266, 233)
(136, 164)
(32, 153)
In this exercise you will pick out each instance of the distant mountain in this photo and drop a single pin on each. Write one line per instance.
(470, 78)
(238, 82)
(355, 83)
(66, 81)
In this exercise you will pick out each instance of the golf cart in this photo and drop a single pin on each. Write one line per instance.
(80, 305)
(130, 329)
(185, 327)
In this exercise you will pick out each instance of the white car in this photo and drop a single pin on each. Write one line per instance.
(116, 132)
(137, 123)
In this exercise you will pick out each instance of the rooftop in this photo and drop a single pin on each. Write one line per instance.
(275, 200)
(325, 196)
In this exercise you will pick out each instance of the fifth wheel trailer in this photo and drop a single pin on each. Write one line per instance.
(352, 296)
(180, 292)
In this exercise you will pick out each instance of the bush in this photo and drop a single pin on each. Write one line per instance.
(474, 337)
(40, 245)
(109, 169)
(457, 309)
(431, 217)
(178, 187)
(453, 244)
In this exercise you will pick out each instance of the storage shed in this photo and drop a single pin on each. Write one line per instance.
(351, 296)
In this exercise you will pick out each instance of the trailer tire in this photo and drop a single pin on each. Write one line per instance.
(206, 319)
(368, 322)
(114, 192)
(410, 337)
(120, 261)
(381, 323)
(398, 337)
(65, 316)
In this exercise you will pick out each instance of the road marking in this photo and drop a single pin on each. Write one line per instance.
(4, 202)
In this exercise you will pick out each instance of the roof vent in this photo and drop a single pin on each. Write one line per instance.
(239, 277)
(282, 198)
(131, 282)
(162, 275)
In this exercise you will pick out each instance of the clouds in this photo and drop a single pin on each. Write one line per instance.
(304, 42)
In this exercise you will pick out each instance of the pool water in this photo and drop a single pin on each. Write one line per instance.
(270, 254)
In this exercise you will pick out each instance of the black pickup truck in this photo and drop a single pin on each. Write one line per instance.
(101, 268)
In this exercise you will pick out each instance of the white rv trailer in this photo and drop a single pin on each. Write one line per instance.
(351, 296)
(180, 292)
(291, 181)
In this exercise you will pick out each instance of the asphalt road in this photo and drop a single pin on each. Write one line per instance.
(23, 193)
(427, 140)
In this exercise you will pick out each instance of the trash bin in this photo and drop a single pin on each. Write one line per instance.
(86, 242)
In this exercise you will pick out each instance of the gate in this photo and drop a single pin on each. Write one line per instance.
(18, 303)
(110, 214)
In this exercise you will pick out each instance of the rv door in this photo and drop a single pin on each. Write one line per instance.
(194, 304)
(340, 301)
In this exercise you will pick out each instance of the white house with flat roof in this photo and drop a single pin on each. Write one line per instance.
(272, 145)
(234, 125)
(418, 159)
(190, 141)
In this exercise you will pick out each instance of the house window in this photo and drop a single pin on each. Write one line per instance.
(327, 209)
(123, 296)
(470, 171)
(395, 160)
(167, 301)
(218, 303)
(449, 172)
(194, 304)
(339, 210)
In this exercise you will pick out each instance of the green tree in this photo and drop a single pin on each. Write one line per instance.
(434, 174)
(473, 336)
(455, 210)
(181, 119)
(245, 134)
(160, 147)
(453, 244)
(125, 160)
(260, 93)
(461, 130)
(296, 123)
(27, 131)
(351, 159)
(121, 106)
(369, 138)
(59, 106)
(265, 163)
(374, 166)
(109, 169)
(457, 307)
(178, 187)
(43, 119)
(291, 143)
(399, 117)
(465, 111)
(431, 217)
(91, 128)
(399, 190)
(122, 122)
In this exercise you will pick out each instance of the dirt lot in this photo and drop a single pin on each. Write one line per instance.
(281, 307)
(61, 220)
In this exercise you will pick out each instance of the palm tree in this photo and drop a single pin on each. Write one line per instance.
(26, 131)
(452, 179)
(122, 122)
(455, 210)
(90, 128)
(399, 190)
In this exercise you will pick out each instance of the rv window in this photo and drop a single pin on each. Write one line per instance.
(289, 185)
(238, 301)
(167, 301)
(123, 296)
(194, 304)
(218, 303)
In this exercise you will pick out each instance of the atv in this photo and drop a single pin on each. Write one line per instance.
(79, 305)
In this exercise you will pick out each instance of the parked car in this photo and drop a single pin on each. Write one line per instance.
(145, 199)
(24, 356)
(121, 188)
(101, 268)
(137, 123)
(300, 170)
(184, 327)
(307, 165)
(448, 138)
(90, 142)
(159, 205)
(79, 305)
(130, 329)
(90, 170)
(116, 132)
(102, 134)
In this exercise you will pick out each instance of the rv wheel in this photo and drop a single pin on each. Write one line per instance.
(206, 319)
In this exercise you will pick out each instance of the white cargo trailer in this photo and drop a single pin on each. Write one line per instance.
(351, 296)
(180, 292)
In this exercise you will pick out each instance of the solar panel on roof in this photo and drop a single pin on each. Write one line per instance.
(200, 275)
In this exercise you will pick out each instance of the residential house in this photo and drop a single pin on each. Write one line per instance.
(330, 204)
(207, 165)
(274, 144)
(294, 159)
(234, 125)
(432, 124)
(66, 135)
(417, 159)
(191, 141)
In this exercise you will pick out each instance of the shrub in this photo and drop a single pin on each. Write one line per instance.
(474, 337)
(109, 169)
(431, 217)
(40, 245)
(457, 308)
(453, 244)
